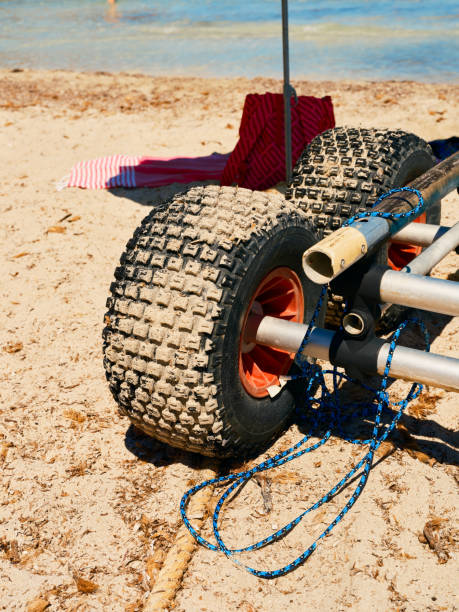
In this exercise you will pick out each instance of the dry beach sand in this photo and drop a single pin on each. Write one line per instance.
(88, 505)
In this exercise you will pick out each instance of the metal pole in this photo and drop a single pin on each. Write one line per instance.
(420, 234)
(442, 299)
(287, 94)
(428, 259)
(419, 366)
(407, 363)
(288, 336)
(416, 291)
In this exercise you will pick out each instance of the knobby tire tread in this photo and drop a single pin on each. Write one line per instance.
(343, 171)
(169, 307)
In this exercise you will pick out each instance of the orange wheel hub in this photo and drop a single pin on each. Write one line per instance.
(280, 295)
(400, 254)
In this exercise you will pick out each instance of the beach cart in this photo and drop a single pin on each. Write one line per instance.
(217, 287)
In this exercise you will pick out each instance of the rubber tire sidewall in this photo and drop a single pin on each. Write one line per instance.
(257, 420)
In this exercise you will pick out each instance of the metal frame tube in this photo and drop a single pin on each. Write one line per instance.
(428, 259)
(407, 364)
(407, 287)
(288, 336)
(420, 366)
(415, 291)
(420, 234)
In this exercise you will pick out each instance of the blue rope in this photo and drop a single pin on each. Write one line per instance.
(329, 413)
(387, 215)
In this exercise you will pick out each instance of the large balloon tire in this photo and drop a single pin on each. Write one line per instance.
(177, 311)
(343, 171)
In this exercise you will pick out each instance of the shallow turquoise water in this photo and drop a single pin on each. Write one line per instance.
(331, 39)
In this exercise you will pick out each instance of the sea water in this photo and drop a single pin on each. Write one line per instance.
(329, 39)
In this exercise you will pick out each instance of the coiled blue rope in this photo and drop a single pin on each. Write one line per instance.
(328, 407)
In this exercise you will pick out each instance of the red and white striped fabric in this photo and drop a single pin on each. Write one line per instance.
(257, 162)
(136, 171)
(105, 172)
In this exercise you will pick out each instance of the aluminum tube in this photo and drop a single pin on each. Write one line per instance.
(419, 366)
(420, 234)
(288, 336)
(407, 364)
(428, 259)
(415, 291)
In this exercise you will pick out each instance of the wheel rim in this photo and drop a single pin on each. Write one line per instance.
(400, 254)
(280, 295)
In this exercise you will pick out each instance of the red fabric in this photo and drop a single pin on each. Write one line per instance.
(258, 161)
(179, 170)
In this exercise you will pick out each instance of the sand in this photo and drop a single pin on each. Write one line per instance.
(88, 504)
